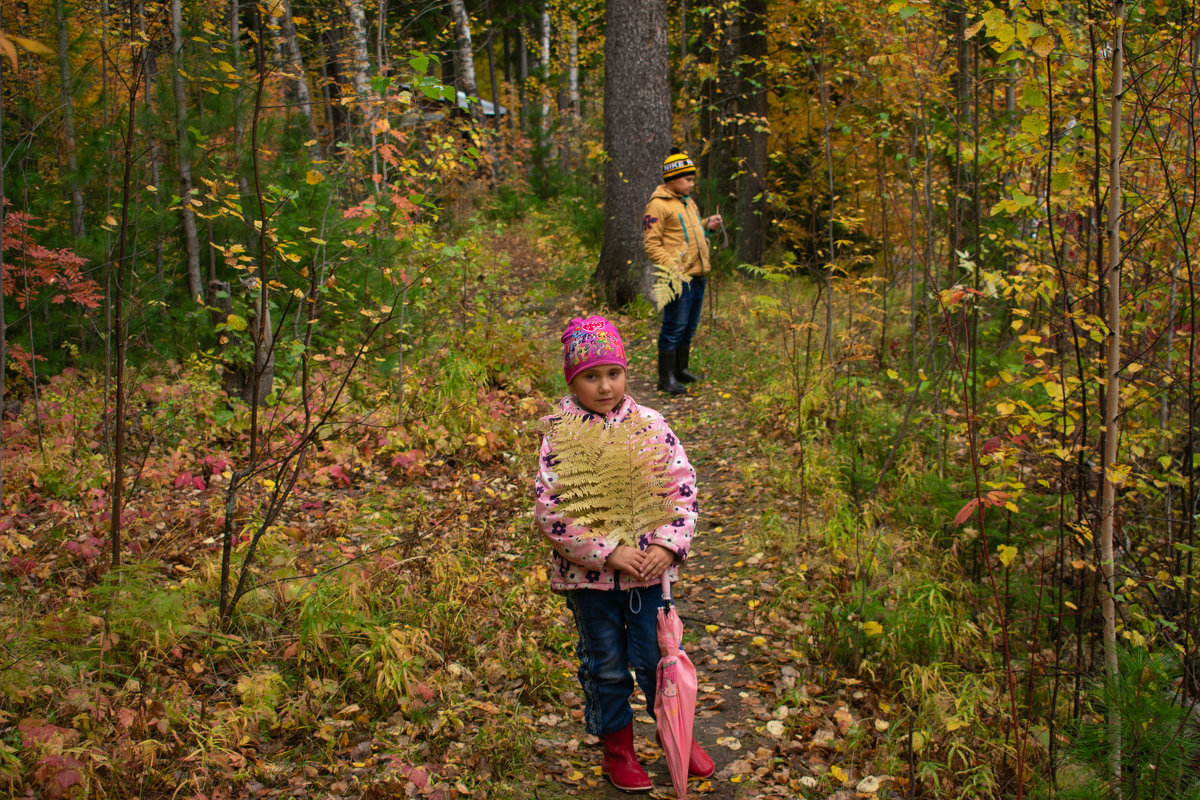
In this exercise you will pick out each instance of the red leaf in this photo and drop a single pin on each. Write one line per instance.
(965, 511)
(66, 779)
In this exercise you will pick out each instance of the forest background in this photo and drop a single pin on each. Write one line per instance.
(277, 285)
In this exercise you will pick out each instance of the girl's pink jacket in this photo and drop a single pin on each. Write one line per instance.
(579, 554)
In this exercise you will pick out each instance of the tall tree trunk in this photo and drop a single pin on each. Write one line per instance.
(637, 136)
(544, 69)
(752, 141)
(490, 47)
(514, 109)
(67, 91)
(121, 270)
(523, 77)
(686, 69)
(298, 83)
(154, 155)
(830, 264)
(361, 59)
(183, 156)
(239, 119)
(707, 54)
(360, 53)
(961, 86)
(3, 321)
(466, 56)
(571, 119)
(1112, 391)
(719, 176)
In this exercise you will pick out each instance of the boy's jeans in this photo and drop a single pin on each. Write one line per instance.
(617, 629)
(681, 316)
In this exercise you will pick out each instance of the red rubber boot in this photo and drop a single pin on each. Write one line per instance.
(620, 763)
(700, 765)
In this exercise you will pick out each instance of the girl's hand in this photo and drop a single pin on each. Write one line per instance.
(626, 559)
(658, 558)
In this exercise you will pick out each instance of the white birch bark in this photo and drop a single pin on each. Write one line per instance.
(1112, 391)
(361, 64)
(466, 56)
(295, 69)
(573, 69)
(360, 54)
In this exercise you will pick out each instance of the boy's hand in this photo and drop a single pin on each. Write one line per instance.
(658, 558)
(713, 222)
(626, 559)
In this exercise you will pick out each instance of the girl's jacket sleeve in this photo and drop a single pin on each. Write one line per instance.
(676, 535)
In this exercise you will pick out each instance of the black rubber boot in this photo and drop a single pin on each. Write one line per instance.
(681, 365)
(666, 373)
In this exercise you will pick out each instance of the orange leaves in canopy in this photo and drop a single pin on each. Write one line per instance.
(30, 268)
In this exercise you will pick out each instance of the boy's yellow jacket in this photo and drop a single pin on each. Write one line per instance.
(671, 227)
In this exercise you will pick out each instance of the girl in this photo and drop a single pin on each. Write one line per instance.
(614, 592)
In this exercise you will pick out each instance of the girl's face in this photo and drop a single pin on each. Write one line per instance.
(600, 388)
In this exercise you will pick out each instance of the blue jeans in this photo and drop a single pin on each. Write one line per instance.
(617, 630)
(681, 316)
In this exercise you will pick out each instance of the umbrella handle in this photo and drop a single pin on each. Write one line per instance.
(666, 587)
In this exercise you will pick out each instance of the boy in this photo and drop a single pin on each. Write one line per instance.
(672, 229)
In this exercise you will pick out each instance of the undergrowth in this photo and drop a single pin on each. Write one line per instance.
(398, 617)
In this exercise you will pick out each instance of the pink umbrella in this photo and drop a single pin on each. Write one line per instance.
(675, 701)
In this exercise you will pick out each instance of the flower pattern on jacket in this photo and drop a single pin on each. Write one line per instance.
(578, 553)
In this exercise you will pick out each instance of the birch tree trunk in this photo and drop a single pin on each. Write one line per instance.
(466, 56)
(573, 70)
(360, 54)
(68, 114)
(298, 82)
(361, 64)
(1112, 391)
(571, 122)
(191, 238)
(637, 137)
(545, 70)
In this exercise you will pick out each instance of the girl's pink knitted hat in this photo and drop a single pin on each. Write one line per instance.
(590, 342)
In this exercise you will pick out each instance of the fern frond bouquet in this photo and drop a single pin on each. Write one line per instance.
(612, 478)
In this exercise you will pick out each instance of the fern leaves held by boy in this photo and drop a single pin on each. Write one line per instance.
(668, 281)
(612, 478)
